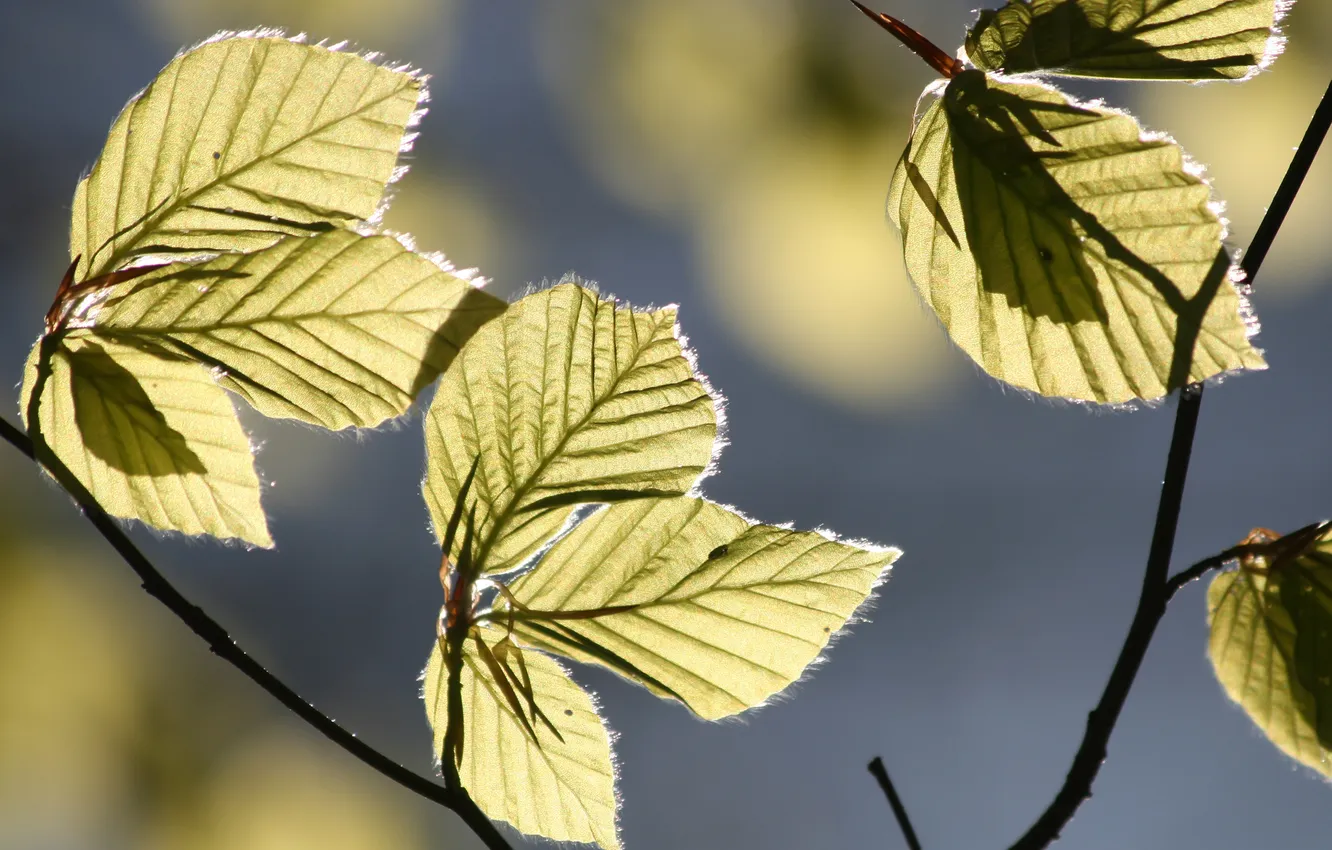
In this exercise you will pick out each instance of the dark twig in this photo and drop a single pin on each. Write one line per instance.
(899, 811)
(1156, 587)
(457, 800)
(1205, 566)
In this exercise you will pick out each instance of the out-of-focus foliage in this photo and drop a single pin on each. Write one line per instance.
(1271, 645)
(396, 25)
(570, 399)
(118, 730)
(770, 129)
(452, 212)
(246, 177)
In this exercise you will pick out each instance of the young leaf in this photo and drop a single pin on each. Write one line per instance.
(1067, 252)
(150, 437)
(567, 398)
(238, 142)
(1129, 39)
(1271, 648)
(562, 790)
(337, 330)
(723, 614)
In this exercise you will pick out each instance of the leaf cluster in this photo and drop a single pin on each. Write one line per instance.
(1066, 250)
(224, 240)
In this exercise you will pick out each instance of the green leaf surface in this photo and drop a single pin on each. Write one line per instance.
(566, 393)
(561, 790)
(725, 614)
(1129, 39)
(337, 330)
(1065, 250)
(1271, 648)
(238, 142)
(151, 438)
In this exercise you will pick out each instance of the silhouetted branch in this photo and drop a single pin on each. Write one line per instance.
(899, 811)
(1205, 566)
(1157, 589)
(457, 800)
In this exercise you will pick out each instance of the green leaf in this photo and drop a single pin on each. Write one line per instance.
(724, 613)
(562, 790)
(238, 142)
(1129, 39)
(337, 330)
(565, 394)
(1271, 648)
(150, 438)
(1066, 251)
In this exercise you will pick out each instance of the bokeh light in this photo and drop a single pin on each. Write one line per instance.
(384, 25)
(761, 127)
(448, 214)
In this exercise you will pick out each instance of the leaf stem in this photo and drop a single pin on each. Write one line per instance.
(456, 800)
(1206, 565)
(1157, 587)
(894, 802)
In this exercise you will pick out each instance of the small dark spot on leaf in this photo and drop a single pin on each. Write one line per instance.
(718, 552)
(568, 712)
(826, 630)
(217, 154)
(1046, 256)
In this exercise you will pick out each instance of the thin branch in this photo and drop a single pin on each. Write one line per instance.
(1205, 566)
(895, 802)
(1157, 588)
(456, 800)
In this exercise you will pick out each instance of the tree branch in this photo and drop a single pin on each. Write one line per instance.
(1157, 589)
(457, 800)
(894, 802)
(1205, 566)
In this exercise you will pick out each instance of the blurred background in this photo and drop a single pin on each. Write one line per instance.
(732, 156)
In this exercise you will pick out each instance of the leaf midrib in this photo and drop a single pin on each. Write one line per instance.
(147, 229)
(520, 492)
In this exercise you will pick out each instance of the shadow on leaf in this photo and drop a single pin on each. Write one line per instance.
(1042, 270)
(1063, 38)
(473, 310)
(119, 422)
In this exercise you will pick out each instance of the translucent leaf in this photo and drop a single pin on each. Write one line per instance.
(337, 330)
(1271, 648)
(562, 790)
(566, 394)
(725, 614)
(1067, 252)
(1133, 39)
(238, 142)
(151, 438)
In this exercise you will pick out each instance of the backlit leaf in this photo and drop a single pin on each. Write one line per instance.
(562, 790)
(1133, 39)
(152, 438)
(1271, 647)
(725, 614)
(337, 330)
(238, 142)
(1067, 252)
(566, 394)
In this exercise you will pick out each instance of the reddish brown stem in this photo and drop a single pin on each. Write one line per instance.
(918, 44)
